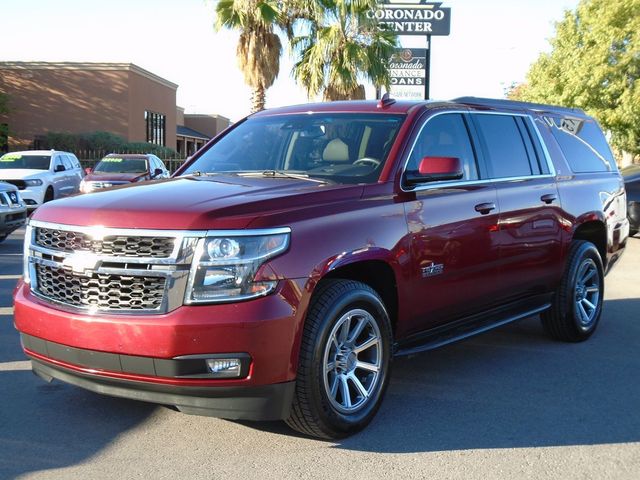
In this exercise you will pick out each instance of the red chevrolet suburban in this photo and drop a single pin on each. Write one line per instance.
(277, 273)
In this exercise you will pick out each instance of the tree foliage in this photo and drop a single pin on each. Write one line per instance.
(336, 45)
(98, 144)
(594, 65)
(259, 48)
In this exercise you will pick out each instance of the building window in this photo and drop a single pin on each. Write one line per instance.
(156, 127)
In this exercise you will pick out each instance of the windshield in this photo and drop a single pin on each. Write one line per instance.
(121, 165)
(341, 148)
(32, 162)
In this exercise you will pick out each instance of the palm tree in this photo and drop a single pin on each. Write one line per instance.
(339, 45)
(259, 48)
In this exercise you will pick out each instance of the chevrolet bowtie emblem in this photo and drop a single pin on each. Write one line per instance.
(79, 262)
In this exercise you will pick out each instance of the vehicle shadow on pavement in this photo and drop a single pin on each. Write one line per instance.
(515, 387)
(48, 426)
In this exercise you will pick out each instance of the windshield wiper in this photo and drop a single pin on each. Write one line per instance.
(285, 174)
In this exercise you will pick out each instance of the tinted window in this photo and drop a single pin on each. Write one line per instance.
(583, 144)
(504, 145)
(66, 161)
(121, 165)
(17, 160)
(445, 136)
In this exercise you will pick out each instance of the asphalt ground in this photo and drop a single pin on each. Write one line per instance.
(508, 404)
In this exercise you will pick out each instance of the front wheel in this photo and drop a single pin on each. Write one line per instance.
(577, 304)
(344, 361)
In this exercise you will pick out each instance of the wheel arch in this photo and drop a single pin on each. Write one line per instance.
(377, 274)
(594, 231)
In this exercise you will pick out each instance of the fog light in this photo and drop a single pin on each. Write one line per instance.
(224, 367)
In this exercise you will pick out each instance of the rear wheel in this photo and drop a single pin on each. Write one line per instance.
(577, 305)
(344, 361)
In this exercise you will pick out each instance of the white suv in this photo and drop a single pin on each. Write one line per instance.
(41, 175)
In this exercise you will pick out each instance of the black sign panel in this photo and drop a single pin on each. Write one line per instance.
(414, 17)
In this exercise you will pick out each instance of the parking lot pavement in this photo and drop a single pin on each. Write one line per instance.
(507, 404)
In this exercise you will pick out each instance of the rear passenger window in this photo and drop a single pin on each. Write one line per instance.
(583, 144)
(445, 135)
(504, 145)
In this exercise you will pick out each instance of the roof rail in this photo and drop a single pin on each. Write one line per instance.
(502, 103)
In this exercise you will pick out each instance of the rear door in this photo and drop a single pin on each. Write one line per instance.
(453, 230)
(530, 234)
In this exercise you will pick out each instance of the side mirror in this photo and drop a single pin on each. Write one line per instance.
(435, 169)
(88, 170)
(59, 168)
(157, 171)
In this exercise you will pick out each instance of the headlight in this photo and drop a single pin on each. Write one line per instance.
(225, 265)
(25, 253)
(85, 187)
(34, 182)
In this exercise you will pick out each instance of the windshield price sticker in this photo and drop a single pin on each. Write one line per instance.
(10, 158)
(112, 160)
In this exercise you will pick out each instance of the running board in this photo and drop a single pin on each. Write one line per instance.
(446, 334)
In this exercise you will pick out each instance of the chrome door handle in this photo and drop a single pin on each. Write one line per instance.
(549, 198)
(485, 208)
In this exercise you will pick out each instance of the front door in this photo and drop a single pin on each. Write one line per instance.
(453, 227)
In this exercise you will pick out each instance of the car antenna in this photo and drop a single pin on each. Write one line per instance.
(386, 100)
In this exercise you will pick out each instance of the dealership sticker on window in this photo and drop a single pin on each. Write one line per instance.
(10, 158)
(112, 160)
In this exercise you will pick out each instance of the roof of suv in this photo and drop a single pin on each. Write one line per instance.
(407, 106)
(39, 152)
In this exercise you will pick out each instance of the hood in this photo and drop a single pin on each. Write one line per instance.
(21, 173)
(193, 203)
(113, 177)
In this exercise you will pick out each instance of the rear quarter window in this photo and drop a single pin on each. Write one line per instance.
(582, 143)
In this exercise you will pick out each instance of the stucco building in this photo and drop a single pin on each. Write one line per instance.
(120, 98)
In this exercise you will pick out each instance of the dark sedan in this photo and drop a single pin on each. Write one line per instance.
(631, 177)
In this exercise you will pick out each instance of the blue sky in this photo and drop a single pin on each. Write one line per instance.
(492, 44)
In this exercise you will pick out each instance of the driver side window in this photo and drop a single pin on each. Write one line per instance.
(445, 135)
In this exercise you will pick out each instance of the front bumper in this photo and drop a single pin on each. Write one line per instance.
(33, 196)
(266, 402)
(119, 354)
(11, 219)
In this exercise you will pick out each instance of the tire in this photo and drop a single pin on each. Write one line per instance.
(577, 304)
(48, 195)
(338, 388)
(632, 231)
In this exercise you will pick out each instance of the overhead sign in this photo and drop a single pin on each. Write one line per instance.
(413, 17)
(408, 70)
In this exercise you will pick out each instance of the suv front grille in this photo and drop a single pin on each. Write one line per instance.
(92, 269)
(21, 184)
(112, 245)
(100, 291)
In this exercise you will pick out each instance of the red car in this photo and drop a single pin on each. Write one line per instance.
(120, 169)
(280, 270)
